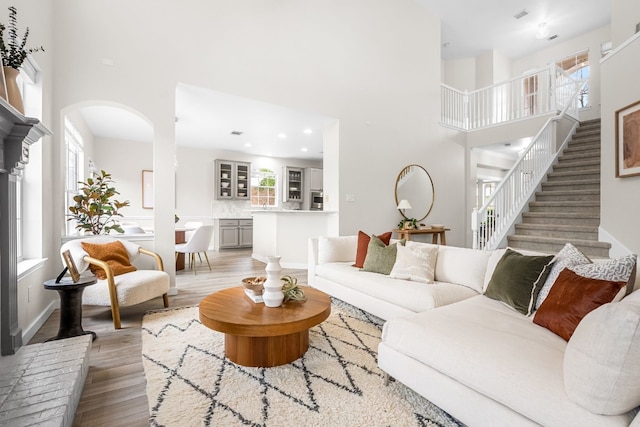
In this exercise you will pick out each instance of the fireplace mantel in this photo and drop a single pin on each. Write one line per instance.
(17, 133)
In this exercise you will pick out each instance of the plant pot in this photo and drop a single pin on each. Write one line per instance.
(14, 97)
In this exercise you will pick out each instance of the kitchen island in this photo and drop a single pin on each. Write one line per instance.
(286, 233)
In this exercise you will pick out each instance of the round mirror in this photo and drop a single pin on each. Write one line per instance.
(415, 186)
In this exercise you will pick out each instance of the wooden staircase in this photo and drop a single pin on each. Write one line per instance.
(568, 207)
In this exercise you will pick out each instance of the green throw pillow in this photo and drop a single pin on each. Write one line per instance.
(517, 280)
(380, 257)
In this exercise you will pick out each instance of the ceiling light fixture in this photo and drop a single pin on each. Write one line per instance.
(543, 31)
(308, 131)
(304, 149)
(282, 135)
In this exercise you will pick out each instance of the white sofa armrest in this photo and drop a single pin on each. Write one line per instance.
(312, 260)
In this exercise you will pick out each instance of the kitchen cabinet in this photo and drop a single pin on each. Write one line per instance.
(232, 180)
(315, 179)
(293, 184)
(233, 233)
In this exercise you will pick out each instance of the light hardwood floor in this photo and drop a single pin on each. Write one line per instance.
(114, 393)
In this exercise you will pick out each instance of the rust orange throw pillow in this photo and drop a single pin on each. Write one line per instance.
(114, 254)
(570, 299)
(363, 244)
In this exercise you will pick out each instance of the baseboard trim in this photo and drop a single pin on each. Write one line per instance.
(29, 332)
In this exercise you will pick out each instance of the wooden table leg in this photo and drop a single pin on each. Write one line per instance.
(443, 238)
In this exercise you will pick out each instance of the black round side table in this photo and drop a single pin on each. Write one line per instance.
(70, 306)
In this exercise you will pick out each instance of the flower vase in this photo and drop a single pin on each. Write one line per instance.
(14, 97)
(272, 295)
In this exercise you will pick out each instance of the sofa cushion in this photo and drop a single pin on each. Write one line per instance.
(571, 298)
(380, 257)
(363, 246)
(601, 361)
(518, 278)
(568, 256)
(415, 263)
(335, 249)
(461, 266)
(394, 291)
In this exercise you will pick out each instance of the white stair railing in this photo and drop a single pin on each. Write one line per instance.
(535, 93)
(491, 223)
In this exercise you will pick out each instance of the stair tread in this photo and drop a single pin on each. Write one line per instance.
(561, 215)
(578, 172)
(557, 227)
(572, 203)
(576, 182)
(586, 192)
(556, 240)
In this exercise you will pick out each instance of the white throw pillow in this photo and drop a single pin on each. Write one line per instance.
(415, 263)
(336, 249)
(602, 357)
(462, 266)
(568, 256)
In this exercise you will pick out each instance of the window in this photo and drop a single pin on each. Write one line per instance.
(530, 86)
(74, 166)
(264, 185)
(19, 220)
(577, 67)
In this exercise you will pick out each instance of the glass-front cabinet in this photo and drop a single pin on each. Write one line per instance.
(232, 180)
(293, 183)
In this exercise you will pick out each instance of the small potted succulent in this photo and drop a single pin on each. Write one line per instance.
(408, 224)
(291, 290)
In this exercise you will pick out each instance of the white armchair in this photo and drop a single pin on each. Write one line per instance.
(124, 289)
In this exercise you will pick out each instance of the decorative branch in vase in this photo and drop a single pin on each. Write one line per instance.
(14, 53)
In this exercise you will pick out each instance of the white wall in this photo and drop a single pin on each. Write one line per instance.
(370, 64)
(460, 73)
(626, 15)
(620, 203)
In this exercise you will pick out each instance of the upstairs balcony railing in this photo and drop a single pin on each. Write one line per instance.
(491, 223)
(542, 91)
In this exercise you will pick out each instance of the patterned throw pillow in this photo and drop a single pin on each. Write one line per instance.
(415, 263)
(619, 270)
(568, 256)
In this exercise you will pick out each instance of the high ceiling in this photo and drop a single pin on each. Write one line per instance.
(469, 28)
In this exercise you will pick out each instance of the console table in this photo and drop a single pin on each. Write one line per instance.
(435, 232)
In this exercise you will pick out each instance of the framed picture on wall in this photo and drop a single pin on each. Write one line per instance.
(628, 141)
(3, 83)
(147, 189)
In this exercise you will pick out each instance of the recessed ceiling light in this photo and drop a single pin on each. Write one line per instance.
(304, 149)
(247, 144)
(282, 135)
(308, 131)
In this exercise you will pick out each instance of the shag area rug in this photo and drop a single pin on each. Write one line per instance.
(190, 382)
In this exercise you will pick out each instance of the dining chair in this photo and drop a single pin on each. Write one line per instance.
(194, 225)
(199, 243)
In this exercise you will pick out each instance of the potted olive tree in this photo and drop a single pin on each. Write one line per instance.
(94, 210)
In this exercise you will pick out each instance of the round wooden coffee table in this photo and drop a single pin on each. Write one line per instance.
(256, 335)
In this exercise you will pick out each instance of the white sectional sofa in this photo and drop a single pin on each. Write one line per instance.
(481, 360)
